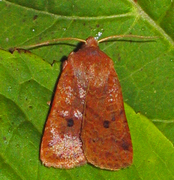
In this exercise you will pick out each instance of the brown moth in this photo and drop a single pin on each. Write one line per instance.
(87, 121)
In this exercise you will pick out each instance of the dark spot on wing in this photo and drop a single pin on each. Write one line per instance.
(125, 145)
(70, 122)
(106, 124)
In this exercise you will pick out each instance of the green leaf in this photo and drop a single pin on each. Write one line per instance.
(27, 82)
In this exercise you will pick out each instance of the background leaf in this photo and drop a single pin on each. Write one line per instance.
(145, 70)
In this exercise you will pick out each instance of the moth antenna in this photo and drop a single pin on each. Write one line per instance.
(81, 40)
(50, 42)
(123, 36)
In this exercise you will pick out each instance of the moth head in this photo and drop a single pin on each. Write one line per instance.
(91, 42)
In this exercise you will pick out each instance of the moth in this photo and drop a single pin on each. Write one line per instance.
(87, 121)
